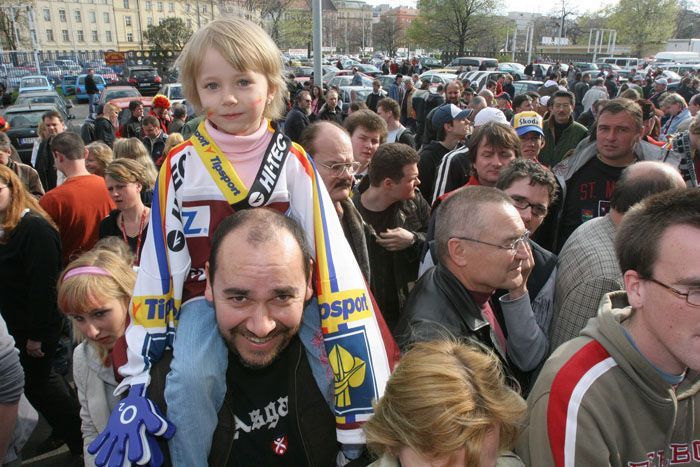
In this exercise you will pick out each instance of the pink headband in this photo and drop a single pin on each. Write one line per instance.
(83, 270)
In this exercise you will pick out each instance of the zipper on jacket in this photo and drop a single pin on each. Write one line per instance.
(296, 407)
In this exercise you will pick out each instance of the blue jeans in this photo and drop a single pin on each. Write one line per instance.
(196, 385)
(92, 104)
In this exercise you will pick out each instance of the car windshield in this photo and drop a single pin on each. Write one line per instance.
(143, 74)
(33, 82)
(360, 94)
(24, 119)
(25, 100)
(176, 92)
(70, 79)
(116, 94)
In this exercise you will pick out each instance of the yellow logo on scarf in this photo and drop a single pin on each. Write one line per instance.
(348, 371)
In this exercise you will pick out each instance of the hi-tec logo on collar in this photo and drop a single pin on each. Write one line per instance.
(270, 172)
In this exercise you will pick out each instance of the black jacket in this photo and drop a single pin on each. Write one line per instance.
(90, 86)
(132, 128)
(156, 146)
(45, 165)
(412, 215)
(307, 407)
(440, 306)
(372, 100)
(326, 114)
(104, 131)
(295, 124)
(431, 155)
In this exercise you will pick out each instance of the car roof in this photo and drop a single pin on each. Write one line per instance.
(35, 76)
(29, 108)
(40, 92)
(119, 88)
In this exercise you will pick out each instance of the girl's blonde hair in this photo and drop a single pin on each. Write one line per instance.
(20, 199)
(246, 47)
(444, 396)
(127, 171)
(132, 148)
(82, 293)
(101, 153)
(173, 140)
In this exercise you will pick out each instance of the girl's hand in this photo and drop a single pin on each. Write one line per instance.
(34, 349)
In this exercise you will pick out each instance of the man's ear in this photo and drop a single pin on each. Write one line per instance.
(456, 251)
(309, 282)
(208, 291)
(85, 153)
(634, 285)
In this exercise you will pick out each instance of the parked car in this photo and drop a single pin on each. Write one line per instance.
(123, 104)
(145, 79)
(173, 92)
(349, 94)
(80, 92)
(430, 63)
(108, 74)
(388, 80)
(34, 83)
(523, 86)
(68, 84)
(474, 62)
(118, 92)
(24, 121)
(53, 73)
(32, 98)
(435, 78)
(516, 70)
(340, 81)
(369, 70)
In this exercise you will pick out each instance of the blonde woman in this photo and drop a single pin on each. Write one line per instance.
(94, 292)
(132, 148)
(173, 140)
(98, 158)
(125, 181)
(446, 404)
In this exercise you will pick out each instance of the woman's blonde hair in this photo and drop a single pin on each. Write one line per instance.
(20, 199)
(127, 171)
(444, 396)
(101, 153)
(173, 140)
(84, 292)
(132, 148)
(246, 47)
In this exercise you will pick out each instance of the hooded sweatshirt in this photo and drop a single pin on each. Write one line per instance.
(599, 402)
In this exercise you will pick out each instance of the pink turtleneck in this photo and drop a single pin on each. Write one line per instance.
(244, 152)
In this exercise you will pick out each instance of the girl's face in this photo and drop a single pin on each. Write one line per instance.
(92, 165)
(103, 324)
(5, 197)
(124, 195)
(234, 100)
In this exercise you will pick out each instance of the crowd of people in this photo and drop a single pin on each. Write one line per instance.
(432, 277)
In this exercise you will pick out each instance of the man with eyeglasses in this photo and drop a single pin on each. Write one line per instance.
(388, 200)
(625, 392)
(587, 268)
(561, 132)
(330, 147)
(482, 247)
(299, 117)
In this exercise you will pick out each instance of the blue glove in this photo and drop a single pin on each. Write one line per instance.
(131, 429)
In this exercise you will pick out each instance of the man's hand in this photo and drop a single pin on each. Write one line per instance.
(130, 433)
(396, 239)
(525, 269)
(34, 349)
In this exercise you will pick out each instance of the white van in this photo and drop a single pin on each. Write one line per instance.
(626, 63)
(677, 57)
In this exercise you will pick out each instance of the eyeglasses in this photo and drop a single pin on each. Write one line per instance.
(538, 210)
(692, 297)
(337, 169)
(512, 248)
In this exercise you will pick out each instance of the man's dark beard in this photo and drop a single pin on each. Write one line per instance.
(290, 333)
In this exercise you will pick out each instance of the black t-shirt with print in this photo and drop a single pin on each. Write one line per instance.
(588, 195)
(265, 432)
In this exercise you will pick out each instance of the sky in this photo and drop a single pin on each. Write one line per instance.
(530, 6)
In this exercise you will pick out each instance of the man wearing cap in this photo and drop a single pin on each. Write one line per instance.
(561, 132)
(453, 91)
(504, 105)
(659, 93)
(528, 126)
(488, 115)
(452, 126)
(356, 77)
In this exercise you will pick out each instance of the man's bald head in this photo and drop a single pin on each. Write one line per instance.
(487, 95)
(641, 180)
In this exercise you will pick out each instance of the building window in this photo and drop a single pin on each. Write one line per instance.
(126, 4)
(105, 16)
(171, 7)
(78, 17)
(149, 6)
(160, 6)
(127, 20)
(149, 21)
(47, 14)
(130, 37)
(95, 37)
(81, 36)
(108, 36)
(64, 34)
(189, 23)
(49, 35)
(62, 15)
(93, 17)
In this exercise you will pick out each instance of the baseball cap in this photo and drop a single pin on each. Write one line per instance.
(663, 81)
(504, 95)
(525, 122)
(448, 112)
(488, 115)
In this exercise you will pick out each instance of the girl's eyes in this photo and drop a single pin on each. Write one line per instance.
(244, 82)
(211, 86)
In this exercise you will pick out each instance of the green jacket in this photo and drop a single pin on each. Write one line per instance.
(552, 153)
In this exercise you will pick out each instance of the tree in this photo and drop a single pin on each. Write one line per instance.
(687, 21)
(451, 24)
(11, 15)
(273, 11)
(644, 24)
(170, 35)
(388, 34)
